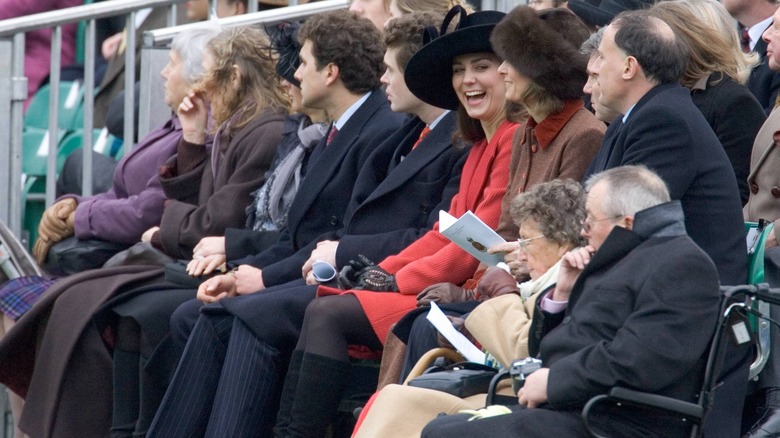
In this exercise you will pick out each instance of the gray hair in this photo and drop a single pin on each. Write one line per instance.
(190, 45)
(591, 45)
(630, 189)
(557, 206)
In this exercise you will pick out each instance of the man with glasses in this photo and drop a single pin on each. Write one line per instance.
(615, 318)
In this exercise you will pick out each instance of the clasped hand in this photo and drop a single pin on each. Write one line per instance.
(242, 281)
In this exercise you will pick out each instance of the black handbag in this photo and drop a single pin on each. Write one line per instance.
(72, 255)
(461, 379)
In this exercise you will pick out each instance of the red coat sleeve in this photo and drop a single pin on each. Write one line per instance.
(433, 258)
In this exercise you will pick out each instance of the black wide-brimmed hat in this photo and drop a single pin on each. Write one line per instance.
(600, 13)
(428, 74)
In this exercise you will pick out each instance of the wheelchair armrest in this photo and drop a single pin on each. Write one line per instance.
(491, 397)
(625, 395)
(629, 396)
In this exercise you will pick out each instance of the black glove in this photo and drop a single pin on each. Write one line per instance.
(349, 276)
(378, 280)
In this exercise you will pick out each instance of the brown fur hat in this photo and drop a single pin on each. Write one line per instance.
(544, 46)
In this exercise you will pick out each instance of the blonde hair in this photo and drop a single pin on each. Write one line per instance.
(708, 30)
(441, 6)
(248, 51)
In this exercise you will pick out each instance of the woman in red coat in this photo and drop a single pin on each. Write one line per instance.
(319, 367)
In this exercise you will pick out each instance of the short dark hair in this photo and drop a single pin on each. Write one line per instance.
(351, 42)
(405, 33)
(641, 35)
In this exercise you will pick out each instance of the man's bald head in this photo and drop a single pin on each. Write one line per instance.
(662, 56)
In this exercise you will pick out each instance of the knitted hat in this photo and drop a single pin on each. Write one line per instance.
(544, 46)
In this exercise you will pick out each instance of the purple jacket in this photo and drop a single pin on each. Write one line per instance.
(37, 44)
(135, 202)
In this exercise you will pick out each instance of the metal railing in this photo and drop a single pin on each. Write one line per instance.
(154, 53)
(13, 90)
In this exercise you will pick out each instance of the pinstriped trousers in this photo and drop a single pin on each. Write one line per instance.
(216, 390)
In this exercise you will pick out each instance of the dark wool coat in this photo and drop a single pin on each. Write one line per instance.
(763, 81)
(623, 326)
(736, 116)
(667, 133)
(201, 206)
(324, 193)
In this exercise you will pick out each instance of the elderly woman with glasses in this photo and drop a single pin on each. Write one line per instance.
(550, 217)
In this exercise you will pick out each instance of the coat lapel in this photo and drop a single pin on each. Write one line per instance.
(438, 141)
(329, 158)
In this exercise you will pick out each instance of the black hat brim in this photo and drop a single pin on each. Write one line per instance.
(428, 74)
(590, 13)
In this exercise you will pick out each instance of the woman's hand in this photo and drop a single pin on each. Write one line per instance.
(149, 234)
(513, 257)
(194, 115)
(210, 246)
(57, 222)
(496, 282)
(443, 293)
(200, 265)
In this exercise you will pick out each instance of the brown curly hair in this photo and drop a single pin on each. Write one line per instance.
(249, 50)
(558, 206)
(406, 34)
(351, 42)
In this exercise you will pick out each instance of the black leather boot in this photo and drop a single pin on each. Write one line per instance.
(321, 383)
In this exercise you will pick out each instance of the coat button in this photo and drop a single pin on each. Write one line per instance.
(424, 209)
(567, 320)
(534, 148)
(776, 192)
(334, 220)
(754, 188)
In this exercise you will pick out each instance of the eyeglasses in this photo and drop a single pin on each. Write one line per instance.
(587, 224)
(524, 242)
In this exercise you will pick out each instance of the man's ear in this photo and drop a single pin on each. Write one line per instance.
(331, 74)
(628, 222)
(631, 68)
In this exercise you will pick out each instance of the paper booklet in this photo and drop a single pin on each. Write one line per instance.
(471, 234)
(456, 338)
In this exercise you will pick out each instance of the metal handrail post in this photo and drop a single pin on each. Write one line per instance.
(13, 92)
(54, 113)
(129, 83)
(89, 106)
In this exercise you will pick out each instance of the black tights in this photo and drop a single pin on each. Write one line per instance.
(333, 322)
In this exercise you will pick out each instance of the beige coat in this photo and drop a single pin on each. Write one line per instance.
(764, 178)
(501, 325)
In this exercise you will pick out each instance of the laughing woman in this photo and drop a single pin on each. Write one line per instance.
(464, 61)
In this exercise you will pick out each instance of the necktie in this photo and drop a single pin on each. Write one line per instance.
(423, 134)
(332, 134)
(744, 37)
